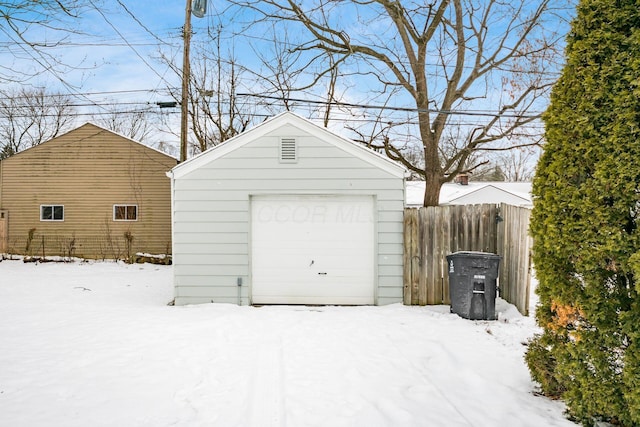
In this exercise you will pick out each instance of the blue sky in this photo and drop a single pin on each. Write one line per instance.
(120, 37)
(113, 59)
(110, 57)
(113, 50)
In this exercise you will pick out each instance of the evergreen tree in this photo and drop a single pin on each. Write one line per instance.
(585, 221)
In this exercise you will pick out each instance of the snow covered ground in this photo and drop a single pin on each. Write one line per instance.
(95, 344)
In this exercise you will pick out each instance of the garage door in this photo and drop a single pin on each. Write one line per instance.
(312, 250)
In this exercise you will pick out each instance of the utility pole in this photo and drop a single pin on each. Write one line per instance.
(186, 76)
(199, 11)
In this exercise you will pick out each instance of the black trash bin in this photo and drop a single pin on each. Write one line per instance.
(472, 284)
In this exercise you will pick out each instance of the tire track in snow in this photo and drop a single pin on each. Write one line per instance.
(424, 374)
(267, 395)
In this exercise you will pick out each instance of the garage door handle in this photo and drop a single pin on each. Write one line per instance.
(322, 274)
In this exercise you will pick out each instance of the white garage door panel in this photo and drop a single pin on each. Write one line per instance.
(312, 250)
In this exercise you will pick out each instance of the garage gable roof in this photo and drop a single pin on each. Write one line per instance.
(305, 125)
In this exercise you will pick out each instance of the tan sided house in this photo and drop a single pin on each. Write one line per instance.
(89, 193)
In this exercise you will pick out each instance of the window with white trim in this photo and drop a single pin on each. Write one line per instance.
(125, 212)
(51, 212)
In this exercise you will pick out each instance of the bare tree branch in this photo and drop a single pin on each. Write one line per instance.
(215, 114)
(29, 117)
(449, 57)
(135, 125)
(22, 25)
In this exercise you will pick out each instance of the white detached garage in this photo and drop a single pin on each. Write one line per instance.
(288, 213)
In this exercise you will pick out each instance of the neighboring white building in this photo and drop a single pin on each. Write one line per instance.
(513, 193)
(288, 213)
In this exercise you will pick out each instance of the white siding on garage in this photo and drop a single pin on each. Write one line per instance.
(212, 211)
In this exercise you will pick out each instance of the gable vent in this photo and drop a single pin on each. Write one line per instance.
(288, 150)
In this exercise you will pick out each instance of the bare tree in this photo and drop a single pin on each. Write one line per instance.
(280, 72)
(490, 172)
(24, 25)
(516, 165)
(29, 117)
(134, 124)
(483, 61)
(214, 111)
(284, 72)
(519, 164)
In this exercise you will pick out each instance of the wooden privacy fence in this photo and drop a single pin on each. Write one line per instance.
(430, 234)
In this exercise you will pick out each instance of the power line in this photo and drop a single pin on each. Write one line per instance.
(231, 36)
(485, 113)
(64, 45)
(111, 92)
(127, 42)
(234, 35)
(152, 107)
(141, 24)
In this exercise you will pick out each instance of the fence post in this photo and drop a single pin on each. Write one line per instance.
(411, 257)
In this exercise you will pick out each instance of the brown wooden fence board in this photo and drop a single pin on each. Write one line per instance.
(433, 233)
(436, 231)
(443, 276)
(426, 243)
(515, 246)
(411, 256)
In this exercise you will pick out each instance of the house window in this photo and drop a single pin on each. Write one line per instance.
(125, 212)
(51, 213)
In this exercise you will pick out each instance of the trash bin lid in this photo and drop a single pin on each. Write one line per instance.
(471, 259)
(473, 254)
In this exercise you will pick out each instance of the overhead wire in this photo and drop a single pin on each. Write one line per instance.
(227, 35)
(109, 92)
(233, 35)
(152, 69)
(278, 102)
(144, 27)
(126, 42)
(485, 113)
(466, 112)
